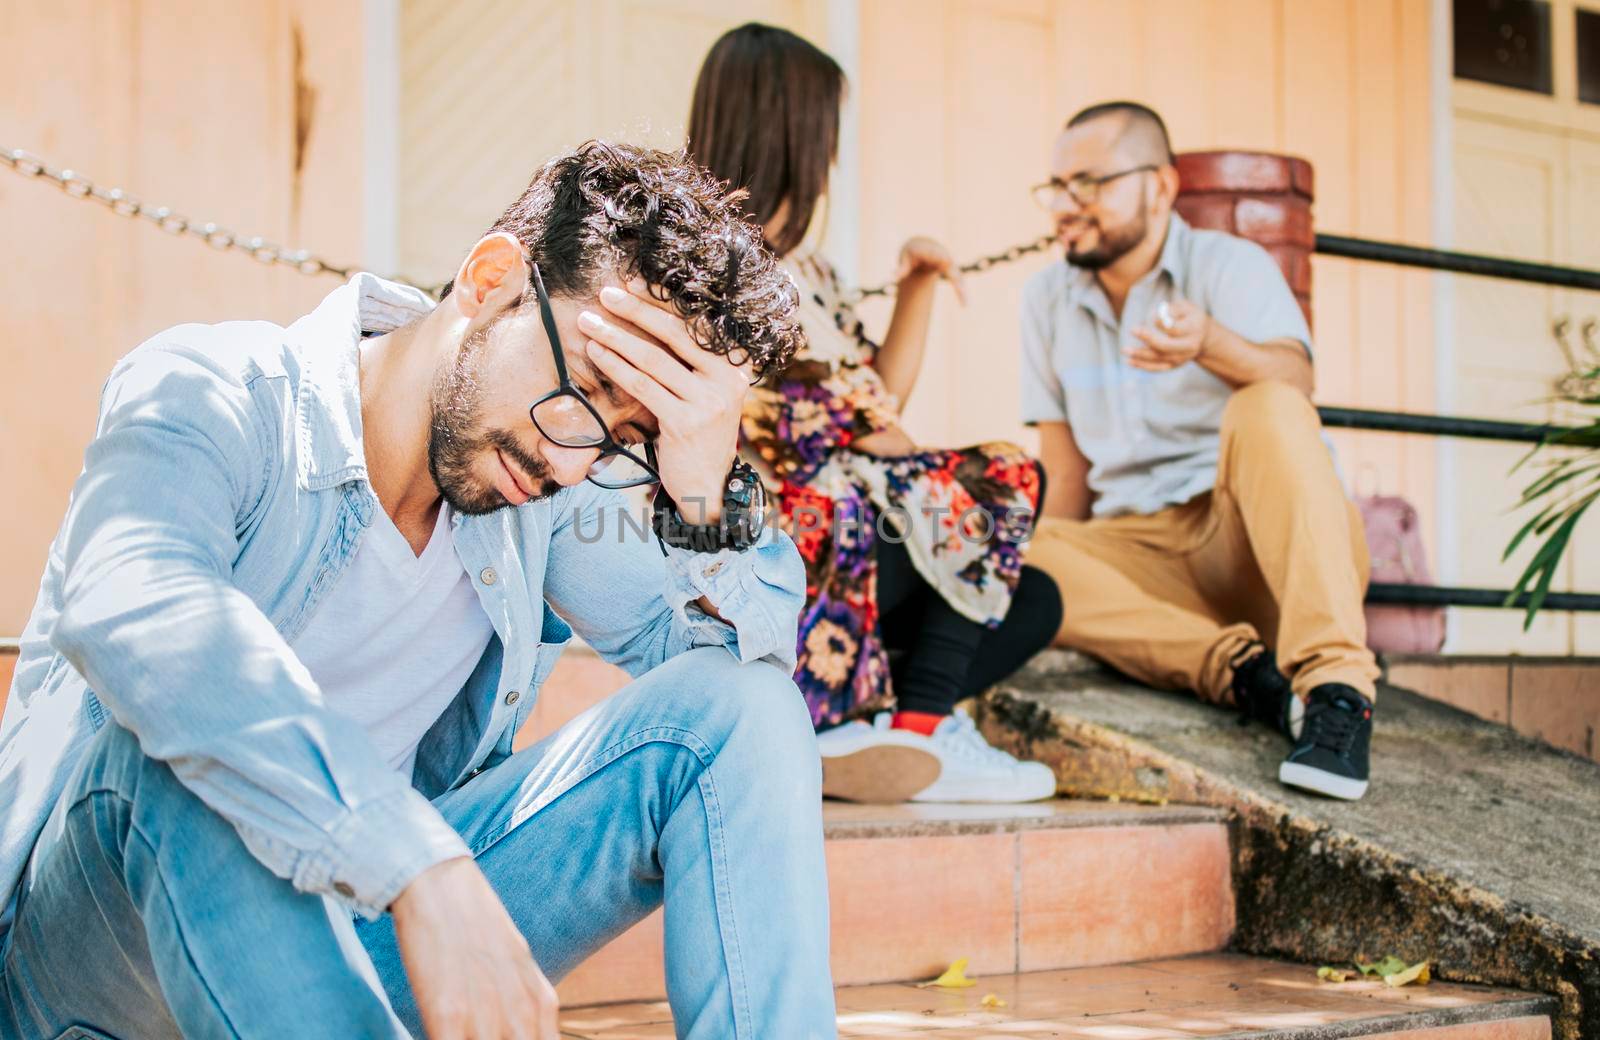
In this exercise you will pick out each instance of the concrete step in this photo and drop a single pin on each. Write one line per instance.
(1473, 849)
(1211, 995)
(1013, 888)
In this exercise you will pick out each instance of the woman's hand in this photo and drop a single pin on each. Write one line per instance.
(890, 443)
(922, 258)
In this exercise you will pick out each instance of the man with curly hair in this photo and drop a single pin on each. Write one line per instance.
(256, 769)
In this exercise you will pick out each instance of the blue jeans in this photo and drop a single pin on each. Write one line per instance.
(144, 915)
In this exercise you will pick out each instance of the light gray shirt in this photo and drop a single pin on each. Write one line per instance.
(1151, 438)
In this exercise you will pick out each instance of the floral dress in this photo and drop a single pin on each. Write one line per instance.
(964, 514)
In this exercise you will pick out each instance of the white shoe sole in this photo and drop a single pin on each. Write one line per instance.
(989, 792)
(1306, 778)
(881, 774)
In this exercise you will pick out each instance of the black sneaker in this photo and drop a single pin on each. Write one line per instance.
(1331, 755)
(1262, 692)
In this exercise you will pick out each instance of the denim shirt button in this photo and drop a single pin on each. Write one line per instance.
(512, 698)
(344, 889)
(487, 576)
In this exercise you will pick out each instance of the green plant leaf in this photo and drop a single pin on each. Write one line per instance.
(1566, 484)
(1528, 528)
(1554, 477)
(1549, 559)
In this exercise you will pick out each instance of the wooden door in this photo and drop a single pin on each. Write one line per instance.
(1525, 167)
(1510, 200)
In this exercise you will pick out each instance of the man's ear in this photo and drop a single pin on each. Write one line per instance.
(1167, 186)
(494, 276)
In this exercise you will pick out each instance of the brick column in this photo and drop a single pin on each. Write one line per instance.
(1256, 195)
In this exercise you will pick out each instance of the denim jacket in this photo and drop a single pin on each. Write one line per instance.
(223, 494)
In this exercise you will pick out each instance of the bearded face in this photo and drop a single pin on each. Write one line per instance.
(1095, 241)
(464, 448)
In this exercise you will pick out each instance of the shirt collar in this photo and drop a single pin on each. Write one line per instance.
(1174, 249)
(329, 402)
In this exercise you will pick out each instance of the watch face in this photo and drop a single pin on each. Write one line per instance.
(758, 511)
(748, 497)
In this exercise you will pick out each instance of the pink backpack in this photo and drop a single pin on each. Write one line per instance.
(1394, 540)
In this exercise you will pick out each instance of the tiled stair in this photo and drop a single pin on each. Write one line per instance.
(1210, 995)
(1029, 888)
(1086, 919)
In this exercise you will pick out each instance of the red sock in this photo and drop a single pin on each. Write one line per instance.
(924, 722)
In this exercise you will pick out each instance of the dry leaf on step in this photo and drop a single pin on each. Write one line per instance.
(955, 977)
(990, 1000)
(1390, 965)
(1332, 974)
(1417, 973)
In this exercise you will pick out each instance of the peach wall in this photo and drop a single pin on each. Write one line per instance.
(956, 101)
(185, 103)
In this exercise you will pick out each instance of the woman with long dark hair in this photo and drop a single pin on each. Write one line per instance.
(917, 596)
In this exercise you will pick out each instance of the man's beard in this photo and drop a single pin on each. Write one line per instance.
(1115, 243)
(456, 440)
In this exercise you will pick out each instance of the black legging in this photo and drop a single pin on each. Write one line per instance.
(943, 656)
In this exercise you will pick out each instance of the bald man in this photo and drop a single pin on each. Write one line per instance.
(1194, 519)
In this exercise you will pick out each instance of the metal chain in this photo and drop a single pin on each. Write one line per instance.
(125, 205)
(978, 266)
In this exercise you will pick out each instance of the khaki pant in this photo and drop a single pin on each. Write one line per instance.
(1275, 552)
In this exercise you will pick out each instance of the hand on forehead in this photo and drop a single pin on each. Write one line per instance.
(640, 346)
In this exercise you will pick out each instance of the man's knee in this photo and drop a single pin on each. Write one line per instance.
(148, 795)
(1269, 407)
(114, 760)
(759, 707)
(768, 701)
(1059, 548)
(713, 683)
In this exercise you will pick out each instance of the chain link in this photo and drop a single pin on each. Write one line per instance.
(123, 204)
(978, 266)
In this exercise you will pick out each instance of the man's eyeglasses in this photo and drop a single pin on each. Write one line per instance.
(1083, 189)
(566, 418)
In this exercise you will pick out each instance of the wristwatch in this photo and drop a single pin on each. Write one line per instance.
(744, 514)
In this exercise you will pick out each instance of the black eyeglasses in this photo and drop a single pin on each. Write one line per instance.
(1083, 189)
(566, 418)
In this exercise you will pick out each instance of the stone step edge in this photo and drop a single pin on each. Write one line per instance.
(1121, 767)
(1406, 1022)
(1105, 813)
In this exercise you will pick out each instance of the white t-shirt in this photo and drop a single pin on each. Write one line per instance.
(394, 640)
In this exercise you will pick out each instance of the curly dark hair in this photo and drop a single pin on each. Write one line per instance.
(617, 209)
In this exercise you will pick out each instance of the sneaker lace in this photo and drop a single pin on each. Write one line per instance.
(964, 740)
(1333, 725)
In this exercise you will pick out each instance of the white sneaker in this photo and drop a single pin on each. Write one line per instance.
(975, 772)
(862, 763)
